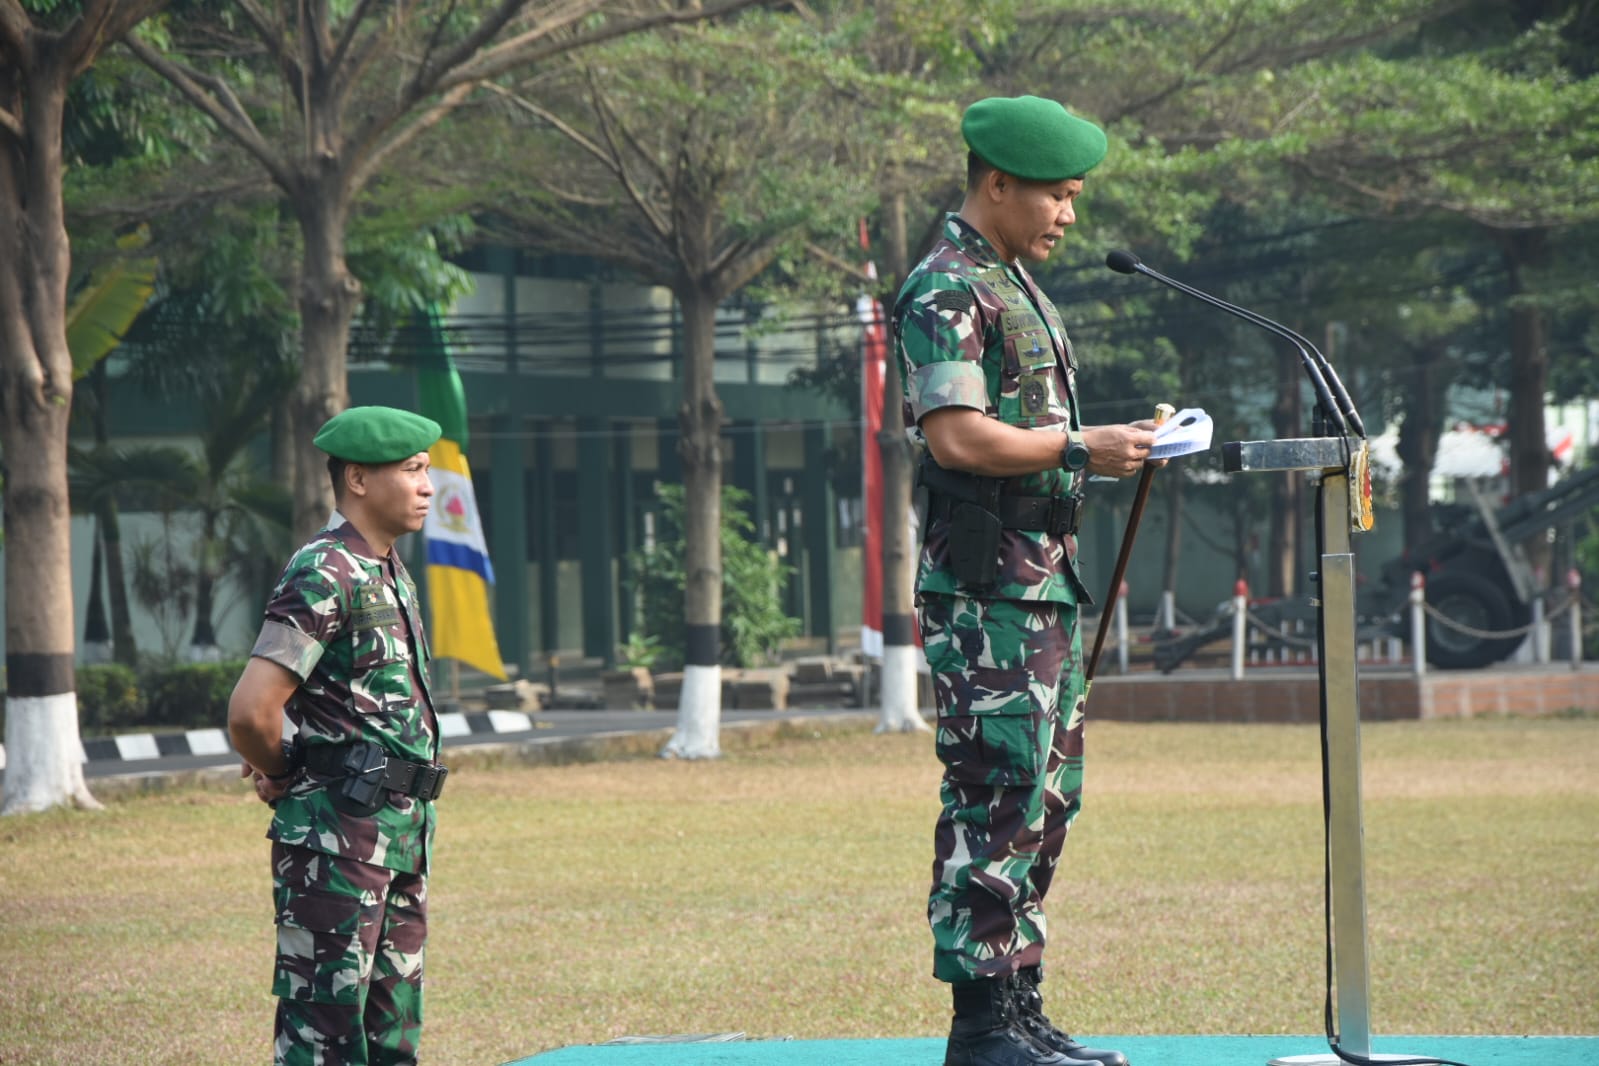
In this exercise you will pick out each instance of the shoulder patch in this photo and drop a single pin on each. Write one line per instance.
(953, 300)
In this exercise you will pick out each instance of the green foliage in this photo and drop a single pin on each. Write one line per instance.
(189, 695)
(685, 153)
(108, 303)
(641, 649)
(109, 700)
(113, 698)
(753, 622)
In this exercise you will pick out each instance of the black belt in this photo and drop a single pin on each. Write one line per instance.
(424, 780)
(1056, 515)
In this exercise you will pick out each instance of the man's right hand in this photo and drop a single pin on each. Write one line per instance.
(267, 790)
(1119, 451)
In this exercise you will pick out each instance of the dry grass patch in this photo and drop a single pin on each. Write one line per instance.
(780, 891)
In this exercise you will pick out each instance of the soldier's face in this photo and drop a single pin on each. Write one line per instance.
(1034, 215)
(399, 494)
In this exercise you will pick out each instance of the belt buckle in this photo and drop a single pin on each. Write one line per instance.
(1063, 516)
(1057, 516)
(432, 782)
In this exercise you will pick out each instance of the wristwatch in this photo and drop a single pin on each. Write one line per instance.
(293, 759)
(1074, 456)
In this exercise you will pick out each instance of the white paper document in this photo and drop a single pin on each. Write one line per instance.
(1184, 433)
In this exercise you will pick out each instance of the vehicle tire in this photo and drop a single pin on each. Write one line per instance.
(1471, 601)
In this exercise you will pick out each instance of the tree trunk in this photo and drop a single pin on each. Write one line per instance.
(1525, 251)
(1166, 617)
(96, 634)
(203, 642)
(124, 647)
(283, 443)
(44, 767)
(1418, 441)
(700, 449)
(900, 711)
(329, 295)
(1283, 548)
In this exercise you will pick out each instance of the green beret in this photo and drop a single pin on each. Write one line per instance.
(376, 435)
(1032, 138)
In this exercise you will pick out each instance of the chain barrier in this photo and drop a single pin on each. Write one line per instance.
(1493, 634)
(1265, 627)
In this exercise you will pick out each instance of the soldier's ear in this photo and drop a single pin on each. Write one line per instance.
(355, 479)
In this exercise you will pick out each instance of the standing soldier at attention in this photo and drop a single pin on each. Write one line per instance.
(342, 654)
(991, 391)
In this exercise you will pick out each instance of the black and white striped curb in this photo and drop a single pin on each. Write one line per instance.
(132, 747)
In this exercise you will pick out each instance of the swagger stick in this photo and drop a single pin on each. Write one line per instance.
(1163, 411)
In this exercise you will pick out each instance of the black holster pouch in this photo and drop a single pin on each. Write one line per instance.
(362, 790)
(974, 545)
(972, 503)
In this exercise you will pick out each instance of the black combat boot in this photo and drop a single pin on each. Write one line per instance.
(985, 1033)
(1029, 1007)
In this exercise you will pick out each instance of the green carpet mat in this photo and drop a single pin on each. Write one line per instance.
(1140, 1051)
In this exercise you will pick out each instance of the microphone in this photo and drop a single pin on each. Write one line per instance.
(1330, 391)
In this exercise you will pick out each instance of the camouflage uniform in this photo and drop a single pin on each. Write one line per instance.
(350, 890)
(1006, 660)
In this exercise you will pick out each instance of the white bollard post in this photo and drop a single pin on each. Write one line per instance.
(1121, 630)
(1240, 626)
(1418, 624)
(1168, 611)
(1574, 583)
(1540, 632)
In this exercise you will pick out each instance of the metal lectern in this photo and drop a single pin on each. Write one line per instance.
(1343, 507)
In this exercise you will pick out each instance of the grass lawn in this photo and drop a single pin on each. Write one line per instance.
(780, 891)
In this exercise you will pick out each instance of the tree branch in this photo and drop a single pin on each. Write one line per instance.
(853, 271)
(352, 26)
(14, 28)
(608, 123)
(271, 34)
(733, 273)
(223, 108)
(316, 44)
(602, 106)
(535, 45)
(363, 169)
(431, 74)
(102, 22)
(606, 156)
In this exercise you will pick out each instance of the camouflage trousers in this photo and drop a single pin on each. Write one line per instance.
(349, 966)
(1004, 672)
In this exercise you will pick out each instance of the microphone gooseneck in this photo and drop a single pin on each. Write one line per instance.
(1330, 391)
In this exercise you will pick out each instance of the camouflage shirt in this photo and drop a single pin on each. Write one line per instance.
(347, 624)
(973, 331)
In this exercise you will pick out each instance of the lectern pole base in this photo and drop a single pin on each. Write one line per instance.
(1334, 1060)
